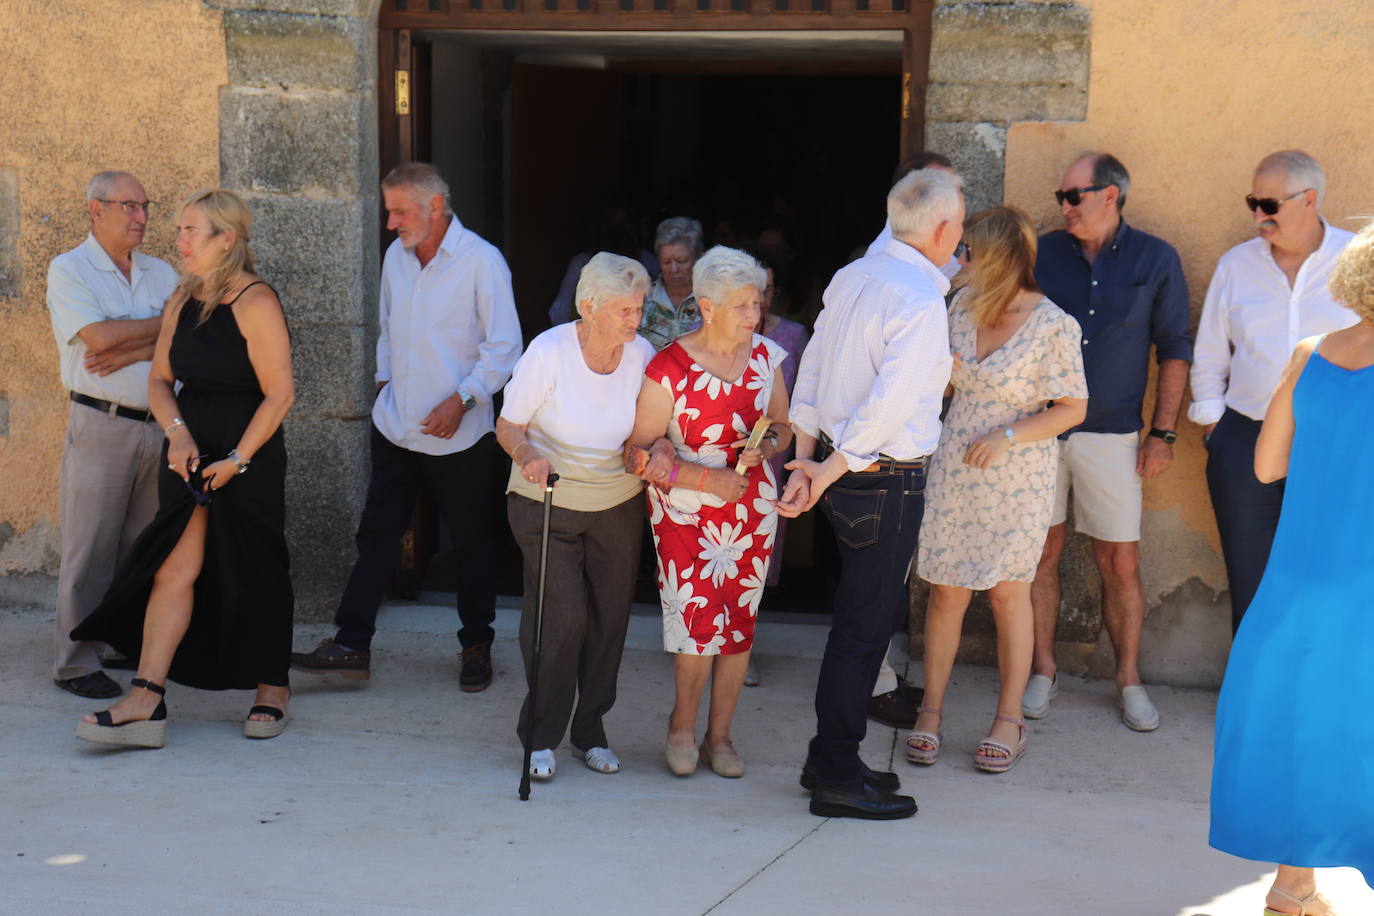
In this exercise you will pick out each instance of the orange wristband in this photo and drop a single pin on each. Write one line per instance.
(701, 484)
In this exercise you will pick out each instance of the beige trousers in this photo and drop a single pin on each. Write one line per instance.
(107, 495)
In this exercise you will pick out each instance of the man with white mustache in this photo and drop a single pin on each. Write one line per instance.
(1266, 295)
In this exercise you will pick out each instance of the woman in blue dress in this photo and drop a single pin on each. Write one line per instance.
(1292, 781)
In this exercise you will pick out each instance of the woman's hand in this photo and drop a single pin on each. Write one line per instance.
(753, 457)
(536, 469)
(796, 496)
(662, 457)
(723, 483)
(218, 475)
(983, 452)
(182, 453)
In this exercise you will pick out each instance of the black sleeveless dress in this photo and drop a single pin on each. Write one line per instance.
(240, 631)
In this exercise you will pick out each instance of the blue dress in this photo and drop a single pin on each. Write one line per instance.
(1293, 777)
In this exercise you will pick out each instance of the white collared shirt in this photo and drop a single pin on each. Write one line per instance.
(84, 287)
(875, 372)
(1252, 320)
(950, 268)
(446, 327)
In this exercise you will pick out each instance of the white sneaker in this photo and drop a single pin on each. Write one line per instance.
(1035, 703)
(600, 759)
(1137, 711)
(542, 765)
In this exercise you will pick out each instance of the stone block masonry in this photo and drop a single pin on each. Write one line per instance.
(9, 234)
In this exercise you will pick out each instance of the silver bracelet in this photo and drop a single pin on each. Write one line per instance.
(239, 463)
(172, 427)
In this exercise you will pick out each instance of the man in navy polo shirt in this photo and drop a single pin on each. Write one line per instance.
(1126, 289)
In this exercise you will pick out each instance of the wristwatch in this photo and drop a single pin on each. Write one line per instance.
(469, 401)
(1168, 435)
(240, 465)
(1010, 434)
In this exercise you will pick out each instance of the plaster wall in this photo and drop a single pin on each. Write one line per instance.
(1190, 97)
(89, 85)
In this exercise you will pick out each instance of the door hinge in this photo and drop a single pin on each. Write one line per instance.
(402, 92)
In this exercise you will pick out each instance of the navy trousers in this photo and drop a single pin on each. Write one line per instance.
(876, 518)
(1247, 511)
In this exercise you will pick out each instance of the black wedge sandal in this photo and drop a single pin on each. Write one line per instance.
(150, 732)
(254, 728)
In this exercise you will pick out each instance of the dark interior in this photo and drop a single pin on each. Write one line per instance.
(536, 153)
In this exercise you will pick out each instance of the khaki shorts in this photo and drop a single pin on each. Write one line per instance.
(1100, 469)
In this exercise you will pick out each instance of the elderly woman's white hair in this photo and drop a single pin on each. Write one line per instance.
(723, 269)
(679, 230)
(921, 201)
(609, 276)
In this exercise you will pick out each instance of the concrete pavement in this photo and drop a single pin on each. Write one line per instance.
(400, 797)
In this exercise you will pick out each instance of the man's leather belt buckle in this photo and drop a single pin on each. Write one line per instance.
(113, 409)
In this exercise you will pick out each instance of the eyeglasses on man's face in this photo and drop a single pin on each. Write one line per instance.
(130, 207)
(1075, 195)
(1270, 205)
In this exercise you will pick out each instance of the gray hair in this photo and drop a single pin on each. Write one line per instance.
(921, 201)
(423, 179)
(1109, 172)
(609, 276)
(1302, 170)
(679, 230)
(722, 269)
(103, 183)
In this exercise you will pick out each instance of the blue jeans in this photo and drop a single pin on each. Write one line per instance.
(876, 517)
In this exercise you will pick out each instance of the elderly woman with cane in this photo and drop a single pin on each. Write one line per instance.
(569, 407)
(704, 413)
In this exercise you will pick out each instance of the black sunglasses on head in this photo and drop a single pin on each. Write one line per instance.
(1075, 195)
(1270, 205)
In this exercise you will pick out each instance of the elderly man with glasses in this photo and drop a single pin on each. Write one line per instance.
(105, 300)
(1126, 290)
(1266, 295)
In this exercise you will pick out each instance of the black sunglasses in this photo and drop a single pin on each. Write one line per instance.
(198, 485)
(1269, 205)
(1075, 195)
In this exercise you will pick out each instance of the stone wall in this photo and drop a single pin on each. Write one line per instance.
(297, 127)
(89, 85)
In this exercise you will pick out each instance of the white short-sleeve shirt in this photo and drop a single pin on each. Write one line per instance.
(576, 418)
(85, 286)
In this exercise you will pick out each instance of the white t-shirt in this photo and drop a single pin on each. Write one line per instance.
(576, 418)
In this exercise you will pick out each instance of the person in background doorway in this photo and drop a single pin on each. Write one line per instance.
(1265, 296)
(105, 299)
(671, 310)
(1125, 288)
(449, 339)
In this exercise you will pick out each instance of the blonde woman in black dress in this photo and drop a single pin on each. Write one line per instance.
(205, 595)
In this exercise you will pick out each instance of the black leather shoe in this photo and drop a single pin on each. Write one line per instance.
(878, 779)
(910, 693)
(97, 686)
(476, 673)
(867, 803)
(893, 710)
(331, 657)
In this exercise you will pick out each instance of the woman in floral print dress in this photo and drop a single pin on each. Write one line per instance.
(1018, 383)
(713, 528)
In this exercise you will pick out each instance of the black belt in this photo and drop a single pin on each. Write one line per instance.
(885, 464)
(113, 409)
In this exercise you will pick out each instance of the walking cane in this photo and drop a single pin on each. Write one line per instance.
(538, 638)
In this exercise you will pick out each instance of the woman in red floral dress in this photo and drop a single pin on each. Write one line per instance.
(713, 527)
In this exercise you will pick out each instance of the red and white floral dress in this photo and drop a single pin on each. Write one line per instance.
(713, 555)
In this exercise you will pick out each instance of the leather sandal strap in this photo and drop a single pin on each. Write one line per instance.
(924, 709)
(148, 685)
(104, 719)
(1012, 719)
(272, 711)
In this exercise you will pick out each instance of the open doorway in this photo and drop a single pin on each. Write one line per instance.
(790, 137)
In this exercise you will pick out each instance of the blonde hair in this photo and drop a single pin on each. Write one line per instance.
(1352, 281)
(225, 211)
(1002, 245)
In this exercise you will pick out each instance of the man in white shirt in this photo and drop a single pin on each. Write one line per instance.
(866, 411)
(449, 340)
(1266, 295)
(912, 163)
(105, 300)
